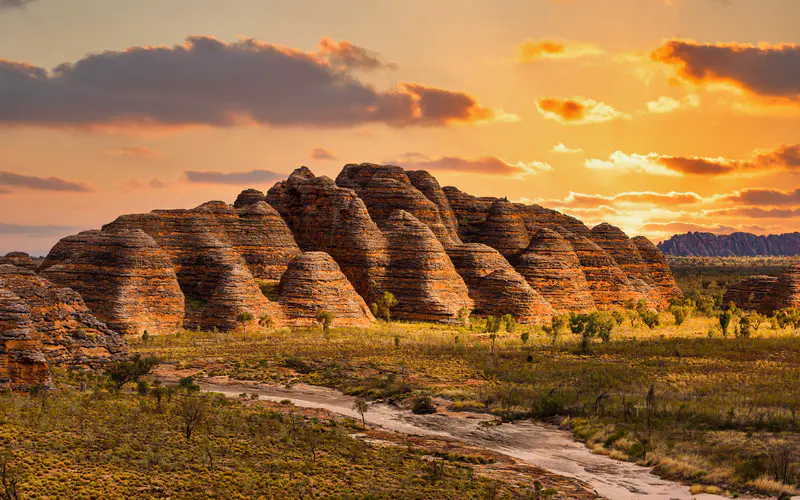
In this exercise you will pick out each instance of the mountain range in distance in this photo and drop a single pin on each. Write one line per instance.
(698, 244)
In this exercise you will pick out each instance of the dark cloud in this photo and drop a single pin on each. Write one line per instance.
(35, 230)
(209, 82)
(757, 212)
(348, 55)
(11, 179)
(321, 154)
(763, 196)
(12, 4)
(489, 165)
(764, 70)
(238, 178)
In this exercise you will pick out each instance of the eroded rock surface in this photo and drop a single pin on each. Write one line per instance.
(504, 230)
(124, 278)
(756, 293)
(313, 283)
(552, 267)
(658, 268)
(19, 259)
(42, 325)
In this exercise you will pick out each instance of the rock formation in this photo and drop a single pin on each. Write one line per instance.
(756, 293)
(657, 268)
(731, 245)
(470, 212)
(504, 230)
(495, 287)
(314, 282)
(19, 259)
(787, 289)
(249, 197)
(429, 186)
(124, 278)
(552, 267)
(42, 325)
(420, 274)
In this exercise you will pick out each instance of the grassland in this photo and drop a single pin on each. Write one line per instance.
(719, 413)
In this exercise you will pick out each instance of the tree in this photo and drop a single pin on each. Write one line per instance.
(361, 407)
(596, 324)
(192, 411)
(619, 316)
(524, 336)
(680, 313)
(8, 477)
(131, 370)
(383, 306)
(724, 322)
(245, 317)
(324, 318)
(493, 324)
(510, 323)
(187, 384)
(649, 317)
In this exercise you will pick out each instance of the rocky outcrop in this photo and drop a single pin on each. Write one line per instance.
(326, 218)
(731, 245)
(313, 283)
(552, 267)
(495, 287)
(420, 274)
(215, 279)
(756, 293)
(470, 212)
(608, 284)
(787, 290)
(124, 278)
(504, 230)
(657, 268)
(387, 188)
(537, 217)
(42, 326)
(429, 186)
(19, 259)
(249, 197)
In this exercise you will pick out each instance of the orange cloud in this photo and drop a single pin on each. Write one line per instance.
(764, 70)
(488, 165)
(321, 154)
(535, 50)
(351, 56)
(577, 110)
(580, 200)
(785, 157)
(136, 152)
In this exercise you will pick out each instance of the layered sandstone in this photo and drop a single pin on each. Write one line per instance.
(387, 188)
(495, 287)
(787, 289)
(315, 283)
(42, 326)
(249, 197)
(756, 293)
(552, 267)
(19, 259)
(658, 268)
(429, 186)
(504, 230)
(470, 212)
(420, 274)
(214, 277)
(608, 284)
(327, 218)
(124, 278)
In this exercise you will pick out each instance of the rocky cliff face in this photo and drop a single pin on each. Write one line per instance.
(19, 259)
(731, 245)
(311, 243)
(42, 325)
(766, 294)
(124, 278)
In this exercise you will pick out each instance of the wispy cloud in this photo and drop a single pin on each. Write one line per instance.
(238, 178)
(321, 154)
(577, 110)
(487, 165)
(134, 152)
(12, 179)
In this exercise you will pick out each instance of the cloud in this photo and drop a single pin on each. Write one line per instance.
(673, 198)
(561, 148)
(135, 185)
(11, 179)
(532, 50)
(351, 56)
(34, 230)
(12, 4)
(771, 71)
(685, 227)
(576, 110)
(238, 178)
(213, 83)
(666, 104)
(785, 157)
(488, 165)
(763, 196)
(756, 212)
(135, 152)
(321, 154)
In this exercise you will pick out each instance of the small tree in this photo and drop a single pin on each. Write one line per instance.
(187, 384)
(324, 318)
(383, 307)
(493, 324)
(8, 478)
(524, 336)
(650, 318)
(680, 313)
(745, 328)
(725, 322)
(463, 316)
(361, 407)
(191, 410)
(131, 370)
(245, 318)
(619, 316)
(510, 323)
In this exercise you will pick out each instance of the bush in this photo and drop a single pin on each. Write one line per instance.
(650, 318)
(680, 313)
(510, 322)
(423, 406)
(324, 318)
(131, 370)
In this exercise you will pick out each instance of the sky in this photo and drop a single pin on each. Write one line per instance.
(659, 116)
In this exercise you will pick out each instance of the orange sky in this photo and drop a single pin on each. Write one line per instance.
(660, 116)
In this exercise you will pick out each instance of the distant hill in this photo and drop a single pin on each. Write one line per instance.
(731, 245)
